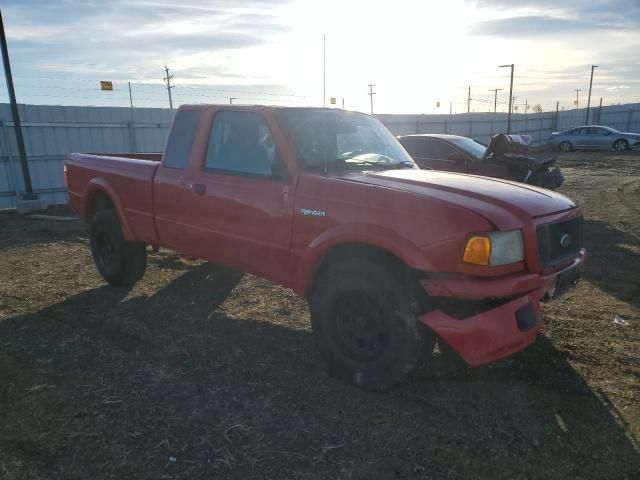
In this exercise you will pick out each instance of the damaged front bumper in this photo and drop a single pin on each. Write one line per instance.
(493, 333)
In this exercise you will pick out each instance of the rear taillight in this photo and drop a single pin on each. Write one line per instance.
(66, 176)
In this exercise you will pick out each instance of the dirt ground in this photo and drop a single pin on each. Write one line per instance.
(201, 372)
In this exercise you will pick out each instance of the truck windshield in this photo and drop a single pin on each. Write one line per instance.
(340, 139)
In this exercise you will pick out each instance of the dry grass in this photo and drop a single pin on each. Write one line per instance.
(200, 372)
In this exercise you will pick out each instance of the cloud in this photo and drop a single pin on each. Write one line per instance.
(534, 16)
(130, 37)
(531, 25)
(617, 87)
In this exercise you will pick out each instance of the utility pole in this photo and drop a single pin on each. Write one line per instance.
(600, 111)
(578, 90)
(343, 103)
(450, 108)
(510, 97)
(526, 105)
(324, 71)
(555, 126)
(593, 67)
(469, 99)
(495, 98)
(169, 87)
(130, 96)
(231, 99)
(16, 116)
(132, 132)
(371, 94)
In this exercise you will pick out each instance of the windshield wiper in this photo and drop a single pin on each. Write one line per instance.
(346, 162)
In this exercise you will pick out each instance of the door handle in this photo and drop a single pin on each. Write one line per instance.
(284, 198)
(199, 188)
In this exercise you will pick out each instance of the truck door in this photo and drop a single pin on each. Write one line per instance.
(240, 197)
(171, 195)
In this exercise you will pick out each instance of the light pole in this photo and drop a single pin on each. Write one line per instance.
(495, 98)
(510, 97)
(324, 70)
(578, 90)
(22, 153)
(593, 67)
(231, 99)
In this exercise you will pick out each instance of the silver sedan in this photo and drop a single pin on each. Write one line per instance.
(594, 137)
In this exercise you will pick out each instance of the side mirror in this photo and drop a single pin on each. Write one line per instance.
(456, 157)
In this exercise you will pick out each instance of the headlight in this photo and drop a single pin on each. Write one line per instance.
(494, 248)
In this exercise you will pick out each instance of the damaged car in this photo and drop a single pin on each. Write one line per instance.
(507, 156)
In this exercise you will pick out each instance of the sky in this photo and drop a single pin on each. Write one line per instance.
(417, 53)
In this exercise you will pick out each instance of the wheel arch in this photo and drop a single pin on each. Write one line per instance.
(378, 243)
(100, 195)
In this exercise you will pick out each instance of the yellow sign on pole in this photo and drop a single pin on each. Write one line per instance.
(106, 85)
(332, 100)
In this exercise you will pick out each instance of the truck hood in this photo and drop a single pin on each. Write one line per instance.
(489, 197)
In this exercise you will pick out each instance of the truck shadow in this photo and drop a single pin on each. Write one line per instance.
(612, 265)
(23, 232)
(114, 385)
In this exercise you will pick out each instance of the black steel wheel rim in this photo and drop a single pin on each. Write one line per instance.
(361, 325)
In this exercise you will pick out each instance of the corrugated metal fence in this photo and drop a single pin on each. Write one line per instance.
(482, 126)
(51, 132)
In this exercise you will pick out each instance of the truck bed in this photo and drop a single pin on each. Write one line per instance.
(128, 178)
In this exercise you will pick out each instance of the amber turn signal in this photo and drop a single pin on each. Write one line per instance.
(478, 251)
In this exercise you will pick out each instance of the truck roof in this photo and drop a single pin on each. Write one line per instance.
(226, 106)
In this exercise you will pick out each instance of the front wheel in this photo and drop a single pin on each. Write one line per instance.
(119, 262)
(565, 147)
(620, 145)
(365, 324)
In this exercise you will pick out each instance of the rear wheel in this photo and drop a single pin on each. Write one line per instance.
(565, 147)
(118, 261)
(620, 145)
(365, 324)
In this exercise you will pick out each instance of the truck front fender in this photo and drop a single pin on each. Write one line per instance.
(360, 234)
(101, 185)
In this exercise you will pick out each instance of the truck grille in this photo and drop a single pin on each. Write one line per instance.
(559, 241)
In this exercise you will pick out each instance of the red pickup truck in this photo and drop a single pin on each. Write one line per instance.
(328, 203)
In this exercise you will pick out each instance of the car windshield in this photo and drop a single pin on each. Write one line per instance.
(340, 139)
(469, 146)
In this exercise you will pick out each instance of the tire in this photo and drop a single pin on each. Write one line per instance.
(620, 145)
(565, 147)
(120, 263)
(364, 319)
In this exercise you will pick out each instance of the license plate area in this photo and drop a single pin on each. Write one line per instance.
(566, 281)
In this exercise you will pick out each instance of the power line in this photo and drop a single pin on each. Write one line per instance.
(149, 84)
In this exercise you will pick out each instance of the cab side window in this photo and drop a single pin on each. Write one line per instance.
(441, 150)
(415, 146)
(181, 138)
(241, 143)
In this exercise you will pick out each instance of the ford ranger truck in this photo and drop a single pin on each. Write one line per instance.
(328, 203)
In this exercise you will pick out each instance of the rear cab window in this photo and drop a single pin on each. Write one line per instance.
(181, 138)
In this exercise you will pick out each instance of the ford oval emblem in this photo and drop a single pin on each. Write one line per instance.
(565, 240)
